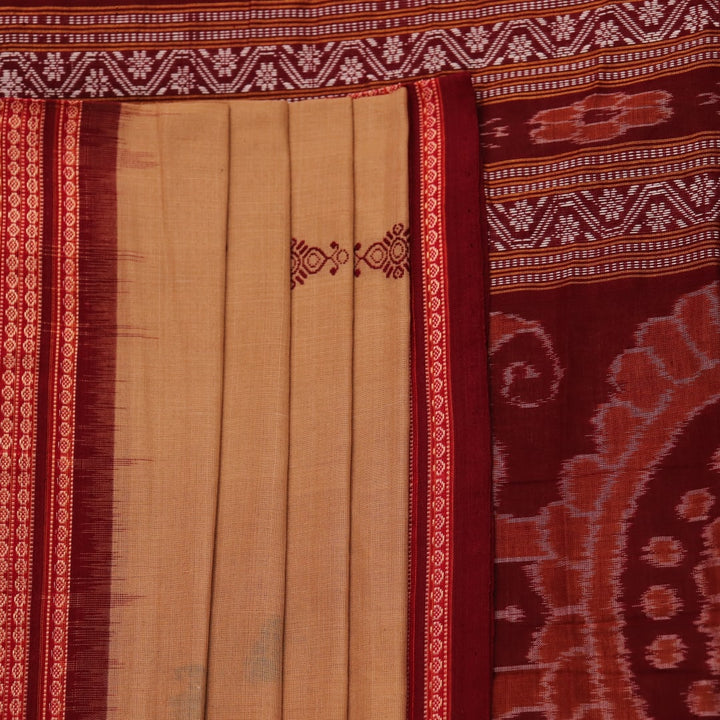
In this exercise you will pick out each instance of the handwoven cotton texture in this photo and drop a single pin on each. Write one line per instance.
(599, 131)
(246, 630)
(169, 385)
(211, 515)
(604, 341)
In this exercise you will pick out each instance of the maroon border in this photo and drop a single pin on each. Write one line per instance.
(472, 558)
(472, 543)
(43, 7)
(91, 564)
(39, 561)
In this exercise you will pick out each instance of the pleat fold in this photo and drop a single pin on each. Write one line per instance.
(380, 432)
(247, 618)
(318, 542)
(172, 209)
(261, 441)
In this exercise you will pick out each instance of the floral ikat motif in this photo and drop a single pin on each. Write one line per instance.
(178, 50)
(610, 587)
(601, 116)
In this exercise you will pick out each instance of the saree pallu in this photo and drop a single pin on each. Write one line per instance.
(604, 343)
(240, 476)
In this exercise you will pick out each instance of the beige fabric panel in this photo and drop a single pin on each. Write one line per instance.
(381, 419)
(284, 410)
(316, 610)
(245, 662)
(172, 208)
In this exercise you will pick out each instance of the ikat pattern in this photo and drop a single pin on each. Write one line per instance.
(615, 598)
(605, 227)
(581, 67)
(601, 150)
(310, 49)
(600, 117)
(525, 384)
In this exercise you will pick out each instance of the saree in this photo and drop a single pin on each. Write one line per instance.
(599, 212)
(216, 502)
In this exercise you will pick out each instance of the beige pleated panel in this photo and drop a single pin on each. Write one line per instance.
(380, 439)
(318, 542)
(172, 209)
(245, 661)
(262, 432)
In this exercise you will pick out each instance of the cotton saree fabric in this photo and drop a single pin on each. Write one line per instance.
(600, 198)
(214, 511)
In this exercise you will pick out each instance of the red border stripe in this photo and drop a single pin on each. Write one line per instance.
(419, 436)
(450, 599)
(21, 220)
(467, 267)
(45, 294)
(440, 469)
(61, 418)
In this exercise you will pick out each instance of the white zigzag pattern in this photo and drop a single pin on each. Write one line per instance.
(654, 207)
(617, 31)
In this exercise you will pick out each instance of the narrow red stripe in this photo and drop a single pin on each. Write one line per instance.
(61, 418)
(48, 177)
(419, 432)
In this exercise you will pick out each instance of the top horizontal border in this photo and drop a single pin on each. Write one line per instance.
(317, 9)
(136, 27)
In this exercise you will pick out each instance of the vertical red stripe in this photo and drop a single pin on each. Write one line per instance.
(67, 325)
(435, 475)
(438, 597)
(419, 436)
(450, 598)
(48, 176)
(21, 124)
(61, 418)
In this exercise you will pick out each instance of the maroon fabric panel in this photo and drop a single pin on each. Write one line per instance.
(105, 5)
(89, 630)
(606, 404)
(650, 109)
(472, 605)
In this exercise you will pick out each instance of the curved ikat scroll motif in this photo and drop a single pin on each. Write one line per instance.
(623, 633)
(531, 382)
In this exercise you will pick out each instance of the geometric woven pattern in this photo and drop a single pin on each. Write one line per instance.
(153, 54)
